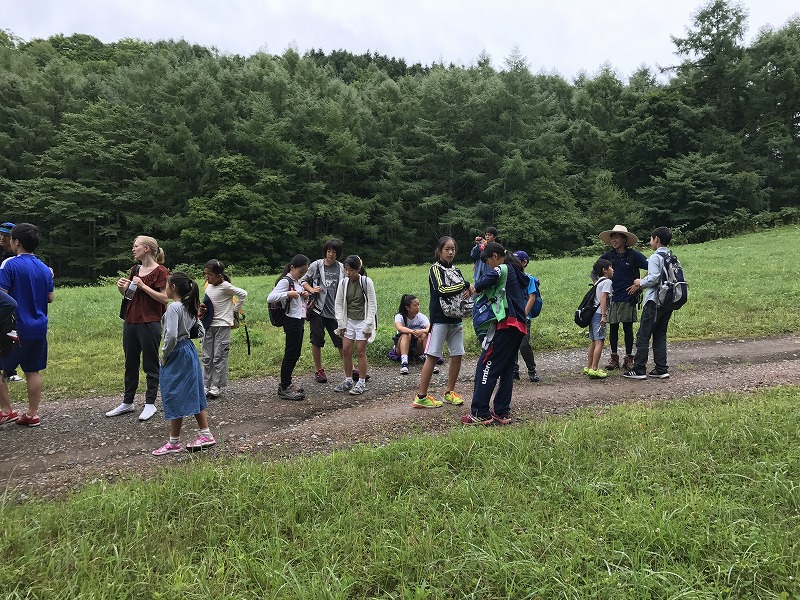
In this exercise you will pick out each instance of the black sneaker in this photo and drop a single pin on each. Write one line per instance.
(516, 375)
(655, 374)
(291, 393)
(534, 377)
(634, 375)
(355, 377)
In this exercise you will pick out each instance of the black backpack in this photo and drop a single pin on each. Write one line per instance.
(587, 307)
(7, 325)
(277, 310)
(673, 291)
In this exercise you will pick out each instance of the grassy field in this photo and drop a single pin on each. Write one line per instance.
(741, 287)
(695, 499)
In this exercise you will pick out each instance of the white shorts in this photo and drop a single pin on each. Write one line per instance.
(355, 330)
(450, 333)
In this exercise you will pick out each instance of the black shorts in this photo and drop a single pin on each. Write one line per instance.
(317, 325)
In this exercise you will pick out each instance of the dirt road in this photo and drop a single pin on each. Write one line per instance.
(76, 443)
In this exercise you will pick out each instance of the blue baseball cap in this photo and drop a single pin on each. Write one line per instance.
(6, 227)
(521, 255)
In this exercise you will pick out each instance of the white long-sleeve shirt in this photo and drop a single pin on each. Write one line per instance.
(296, 308)
(221, 297)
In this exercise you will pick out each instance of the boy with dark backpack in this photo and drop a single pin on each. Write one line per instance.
(656, 311)
(533, 307)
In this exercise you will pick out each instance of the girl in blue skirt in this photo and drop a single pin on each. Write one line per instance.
(182, 391)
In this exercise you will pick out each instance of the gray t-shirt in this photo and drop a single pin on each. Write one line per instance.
(330, 281)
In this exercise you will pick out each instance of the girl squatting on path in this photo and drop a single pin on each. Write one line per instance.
(288, 289)
(141, 331)
(356, 307)
(444, 329)
(499, 350)
(217, 340)
(182, 390)
(412, 331)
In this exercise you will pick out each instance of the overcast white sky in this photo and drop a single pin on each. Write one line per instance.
(565, 36)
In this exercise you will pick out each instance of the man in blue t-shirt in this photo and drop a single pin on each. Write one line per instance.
(30, 283)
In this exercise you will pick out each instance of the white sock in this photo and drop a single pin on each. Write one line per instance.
(206, 432)
(174, 440)
(404, 359)
(348, 379)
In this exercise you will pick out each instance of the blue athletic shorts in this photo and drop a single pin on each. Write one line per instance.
(29, 355)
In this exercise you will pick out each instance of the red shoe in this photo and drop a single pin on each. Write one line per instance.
(476, 420)
(9, 416)
(26, 419)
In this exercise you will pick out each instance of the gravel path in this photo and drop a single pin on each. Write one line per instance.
(76, 443)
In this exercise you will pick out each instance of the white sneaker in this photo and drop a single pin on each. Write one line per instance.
(403, 369)
(14, 378)
(120, 410)
(149, 411)
(213, 392)
(359, 388)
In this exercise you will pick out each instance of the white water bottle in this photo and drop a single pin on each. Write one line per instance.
(130, 291)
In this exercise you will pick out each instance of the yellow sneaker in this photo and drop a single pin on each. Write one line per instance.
(453, 398)
(426, 402)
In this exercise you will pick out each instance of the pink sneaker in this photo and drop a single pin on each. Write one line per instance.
(8, 417)
(168, 448)
(202, 442)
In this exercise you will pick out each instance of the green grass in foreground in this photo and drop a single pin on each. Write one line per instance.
(696, 499)
(738, 287)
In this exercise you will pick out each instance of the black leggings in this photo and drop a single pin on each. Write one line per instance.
(613, 337)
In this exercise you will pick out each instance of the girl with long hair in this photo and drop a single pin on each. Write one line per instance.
(182, 390)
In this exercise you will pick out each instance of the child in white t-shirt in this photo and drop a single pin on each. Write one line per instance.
(597, 330)
(412, 331)
(220, 293)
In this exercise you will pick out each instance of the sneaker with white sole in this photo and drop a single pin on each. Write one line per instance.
(26, 419)
(359, 388)
(14, 378)
(8, 417)
(201, 442)
(168, 448)
(345, 386)
(213, 392)
(634, 375)
(476, 420)
(148, 411)
(121, 410)
(404, 369)
(656, 375)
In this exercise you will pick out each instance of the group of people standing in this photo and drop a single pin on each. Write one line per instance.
(162, 313)
(618, 294)
(163, 309)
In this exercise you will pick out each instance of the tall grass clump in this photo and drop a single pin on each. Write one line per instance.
(738, 287)
(699, 499)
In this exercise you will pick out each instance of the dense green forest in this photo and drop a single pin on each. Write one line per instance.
(251, 159)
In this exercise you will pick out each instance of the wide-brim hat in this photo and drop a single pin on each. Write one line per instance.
(605, 236)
